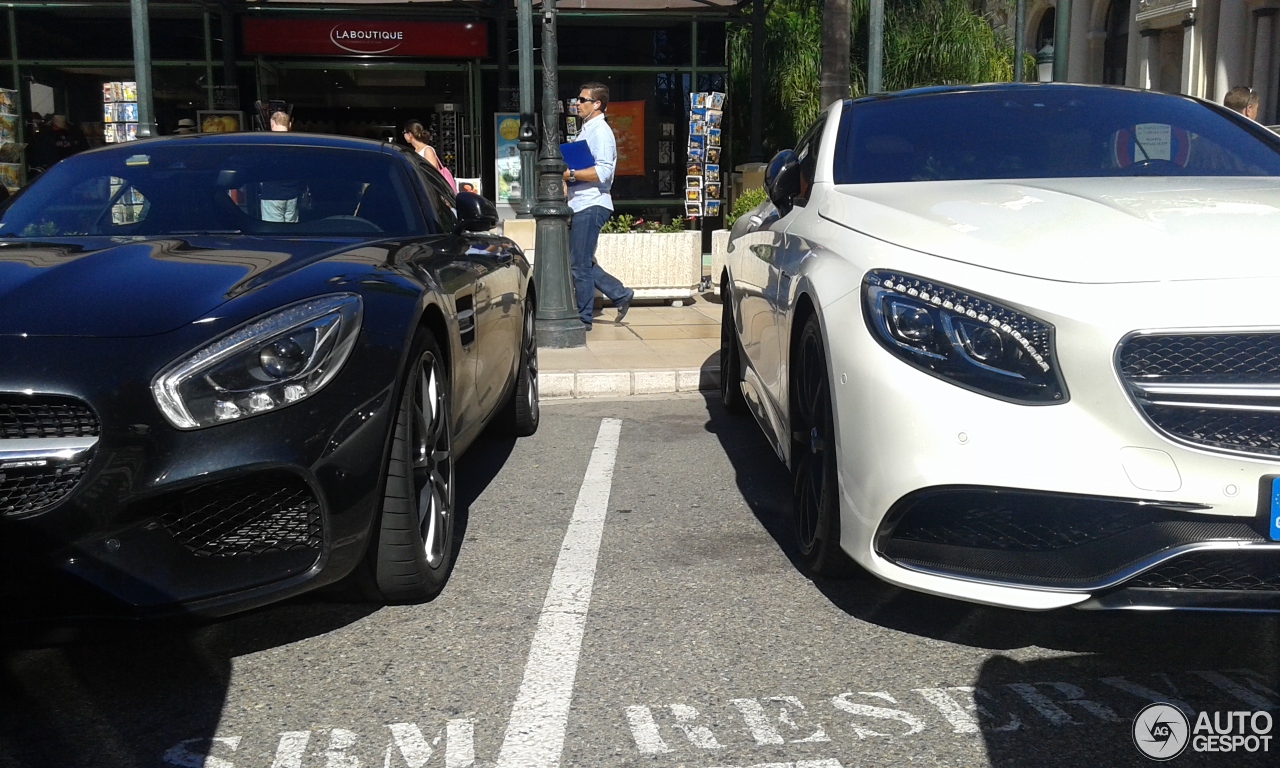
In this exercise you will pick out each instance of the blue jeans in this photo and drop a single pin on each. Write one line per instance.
(584, 232)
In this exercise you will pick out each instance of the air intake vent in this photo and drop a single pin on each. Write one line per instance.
(269, 513)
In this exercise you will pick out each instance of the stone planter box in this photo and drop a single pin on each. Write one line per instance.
(665, 265)
(719, 247)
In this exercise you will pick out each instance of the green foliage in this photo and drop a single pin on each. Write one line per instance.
(926, 42)
(749, 199)
(624, 223)
(43, 229)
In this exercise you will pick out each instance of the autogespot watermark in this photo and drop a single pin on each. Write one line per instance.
(1162, 732)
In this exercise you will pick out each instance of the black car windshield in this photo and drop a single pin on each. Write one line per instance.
(181, 188)
(1046, 132)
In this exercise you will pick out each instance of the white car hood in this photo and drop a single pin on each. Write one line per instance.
(1104, 230)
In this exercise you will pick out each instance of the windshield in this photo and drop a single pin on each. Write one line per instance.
(181, 188)
(1045, 132)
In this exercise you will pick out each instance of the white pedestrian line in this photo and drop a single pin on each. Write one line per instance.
(535, 734)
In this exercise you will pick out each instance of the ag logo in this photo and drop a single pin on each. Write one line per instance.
(1160, 731)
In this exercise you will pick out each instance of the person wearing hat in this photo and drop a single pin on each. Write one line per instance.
(186, 125)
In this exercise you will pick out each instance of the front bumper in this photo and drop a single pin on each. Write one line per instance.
(1126, 553)
(905, 435)
(209, 521)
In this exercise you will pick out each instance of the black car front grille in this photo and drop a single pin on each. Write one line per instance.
(35, 483)
(1163, 373)
(31, 489)
(1245, 431)
(1215, 358)
(32, 416)
(1232, 570)
(269, 513)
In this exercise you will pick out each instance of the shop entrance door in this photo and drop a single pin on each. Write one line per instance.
(375, 100)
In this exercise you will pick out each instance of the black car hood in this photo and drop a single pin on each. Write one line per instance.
(97, 287)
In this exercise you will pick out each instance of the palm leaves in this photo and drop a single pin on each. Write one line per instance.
(926, 42)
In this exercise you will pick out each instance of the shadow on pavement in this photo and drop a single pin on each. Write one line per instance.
(1144, 640)
(125, 693)
(1081, 719)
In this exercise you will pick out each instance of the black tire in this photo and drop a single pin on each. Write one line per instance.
(815, 489)
(521, 413)
(730, 357)
(412, 556)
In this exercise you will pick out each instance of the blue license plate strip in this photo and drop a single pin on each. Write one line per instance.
(1273, 528)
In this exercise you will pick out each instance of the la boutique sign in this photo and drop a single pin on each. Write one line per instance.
(369, 42)
(274, 36)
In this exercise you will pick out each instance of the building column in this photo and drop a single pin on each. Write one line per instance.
(1149, 61)
(1207, 37)
(1192, 80)
(1262, 74)
(1229, 61)
(1081, 59)
(1135, 51)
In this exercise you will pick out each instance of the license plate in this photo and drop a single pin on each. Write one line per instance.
(1274, 528)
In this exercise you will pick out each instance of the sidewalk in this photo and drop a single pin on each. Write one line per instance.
(657, 349)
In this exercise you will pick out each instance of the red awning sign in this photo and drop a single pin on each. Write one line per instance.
(318, 37)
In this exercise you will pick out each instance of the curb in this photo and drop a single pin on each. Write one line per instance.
(562, 385)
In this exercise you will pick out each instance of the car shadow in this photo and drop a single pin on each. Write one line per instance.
(1183, 639)
(115, 693)
(1066, 712)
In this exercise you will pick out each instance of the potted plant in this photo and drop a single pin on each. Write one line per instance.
(749, 199)
(657, 261)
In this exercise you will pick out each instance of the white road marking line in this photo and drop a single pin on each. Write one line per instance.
(535, 734)
(293, 745)
(645, 731)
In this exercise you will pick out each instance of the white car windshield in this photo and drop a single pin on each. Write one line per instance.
(1050, 131)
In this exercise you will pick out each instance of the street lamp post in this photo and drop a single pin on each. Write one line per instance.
(142, 67)
(528, 133)
(559, 325)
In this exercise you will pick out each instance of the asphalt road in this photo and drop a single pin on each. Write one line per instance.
(637, 607)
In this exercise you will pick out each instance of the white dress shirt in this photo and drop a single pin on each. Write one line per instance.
(599, 137)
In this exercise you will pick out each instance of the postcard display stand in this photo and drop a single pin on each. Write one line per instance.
(119, 111)
(702, 176)
(10, 149)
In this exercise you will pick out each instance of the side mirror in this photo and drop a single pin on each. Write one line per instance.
(782, 180)
(475, 214)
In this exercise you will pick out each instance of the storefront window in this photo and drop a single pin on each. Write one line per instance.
(711, 45)
(95, 33)
(591, 43)
(367, 102)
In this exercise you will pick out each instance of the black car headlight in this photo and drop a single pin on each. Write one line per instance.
(964, 338)
(270, 363)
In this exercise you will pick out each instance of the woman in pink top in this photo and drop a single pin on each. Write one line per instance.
(418, 137)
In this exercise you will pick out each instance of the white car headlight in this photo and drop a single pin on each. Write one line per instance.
(964, 338)
(269, 363)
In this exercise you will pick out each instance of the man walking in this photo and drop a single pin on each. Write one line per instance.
(592, 205)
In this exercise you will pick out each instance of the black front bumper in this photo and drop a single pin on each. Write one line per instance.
(1126, 553)
(207, 522)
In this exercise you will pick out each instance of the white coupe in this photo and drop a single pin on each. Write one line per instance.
(1020, 345)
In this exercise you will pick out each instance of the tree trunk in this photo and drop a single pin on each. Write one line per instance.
(835, 51)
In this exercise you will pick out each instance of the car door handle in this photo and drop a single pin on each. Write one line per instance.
(505, 257)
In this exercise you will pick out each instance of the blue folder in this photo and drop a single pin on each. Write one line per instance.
(577, 155)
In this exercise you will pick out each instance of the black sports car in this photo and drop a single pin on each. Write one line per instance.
(234, 368)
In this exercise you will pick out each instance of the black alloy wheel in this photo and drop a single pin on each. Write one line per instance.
(414, 550)
(730, 356)
(522, 412)
(815, 486)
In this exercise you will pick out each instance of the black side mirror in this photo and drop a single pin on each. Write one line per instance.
(475, 214)
(782, 180)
